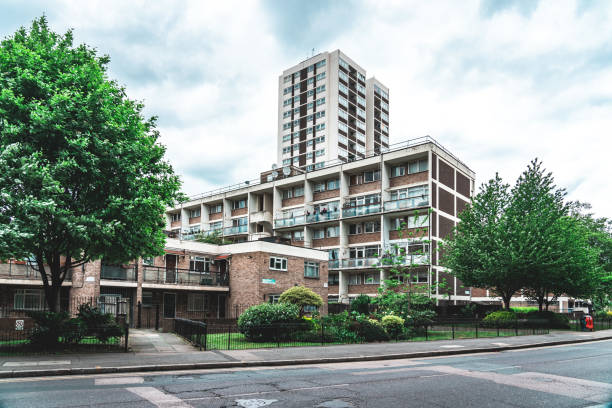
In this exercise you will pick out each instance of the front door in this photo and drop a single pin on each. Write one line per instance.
(170, 268)
(169, 305)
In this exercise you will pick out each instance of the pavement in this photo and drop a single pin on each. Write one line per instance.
(156, 351)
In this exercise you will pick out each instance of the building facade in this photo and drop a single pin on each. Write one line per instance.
(350, 210)
(191, 280)
(329, 112)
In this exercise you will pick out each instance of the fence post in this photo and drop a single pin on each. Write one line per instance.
(322, 335)
(476, 324)
(127, 336)
(139, 325)
(453, 328)
(426, 336)
(205, 336)
(497, 324)
(157, 317)
(277, 335)
(516, 327)
(229, 336)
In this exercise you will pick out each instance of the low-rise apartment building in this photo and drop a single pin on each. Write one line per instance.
(351, 210)
(191, 280)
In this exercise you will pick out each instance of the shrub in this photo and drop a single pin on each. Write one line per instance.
(261, 322)
(547, 319)
(369, 330)
(523, 310)
(420, 318)
(50, 328)
(98, 324)
(301, 296)
(502, 318)
(393, 325)
(361, 304)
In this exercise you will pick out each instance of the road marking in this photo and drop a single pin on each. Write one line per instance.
(269, 392)
(35, 363)
(118, 380)
(254, 403)
(452, 346)
(390, 371)
(500, 344)
(158, 398)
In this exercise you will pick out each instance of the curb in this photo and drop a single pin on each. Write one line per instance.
(273, 363)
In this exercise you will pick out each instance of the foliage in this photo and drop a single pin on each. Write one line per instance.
(213, 238)
(523, 310)
(502, 319)
(50, 328)
(393, 325)
(548, 319)
(261, 322)
(98, 324)
(361, 304)
(301, 296)
(82, 174)
(418, 318)
(509, 239)
(469, 310)
(369, 330)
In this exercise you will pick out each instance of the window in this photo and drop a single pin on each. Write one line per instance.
(311, 269)
(398, 171)
(417, 166)
(320, 101)
(239, 204)
(319, 187)
(333, 279)
(196, 302)
(342, 139)
(343, 64)
(333, 254)
(416, 221)
(318, 233)
(321, 76)
(412, 192)
(319, 153)
(332, 232)
(194, 213)
(175, 217)
(361, 76)
(199, 264)
(361, 101)
(385, 106)
(372, 226)
(355, 229)
(343, 76)
(298, 235)
(147, 298)
(215, 208)
(372, 278)
(370, 176)
(342, 113)
(342, 101)
(343, 88)
(320, 64)
(361, 89)
(354, 279)
(286, 138)
(298, 191)
(148, 261)
(273, 298)
(29, 299)
(278, 264)
(361, 112)
(333, 184)
(342, 127)
(286, 162)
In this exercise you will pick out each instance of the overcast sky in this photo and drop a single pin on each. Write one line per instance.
(496, 82)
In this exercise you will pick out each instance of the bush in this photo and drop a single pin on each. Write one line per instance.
(393, 325)
(420, 318)
(361, 304)
(261, 322)
(504, 319)
(301, 296)
(50, 329)
(369, 330)
(101, 325)
(547, 319)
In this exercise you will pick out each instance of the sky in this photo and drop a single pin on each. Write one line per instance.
(497, 82)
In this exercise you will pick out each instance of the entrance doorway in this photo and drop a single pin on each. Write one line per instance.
(169, 305)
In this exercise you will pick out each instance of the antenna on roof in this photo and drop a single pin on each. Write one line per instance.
(312, 53)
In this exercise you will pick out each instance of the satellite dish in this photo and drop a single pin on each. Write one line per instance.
(274, 166)
(286, 171)
(274, 174)
(270, 178)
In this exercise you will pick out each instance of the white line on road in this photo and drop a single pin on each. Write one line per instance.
(35, 363)
(269, 392)
(158, 398)
(118, 380)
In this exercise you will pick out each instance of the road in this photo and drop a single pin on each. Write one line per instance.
(562, 376)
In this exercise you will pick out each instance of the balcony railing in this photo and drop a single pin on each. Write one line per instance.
(349, 263)
(288, 222)
(238, 229)
(177, 276)
(24, 270)
(333, 264)
(119, 272)
(326, 216)
(405, 203)
(360, 262)
(361, 210)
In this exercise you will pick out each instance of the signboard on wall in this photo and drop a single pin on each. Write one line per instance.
(18, 324)
(269, 281)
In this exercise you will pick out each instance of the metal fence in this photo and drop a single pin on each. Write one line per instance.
(193, 331)
(227, 336)
(599, 323)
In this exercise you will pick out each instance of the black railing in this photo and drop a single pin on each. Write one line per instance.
(119, 272)
(193, 331)
(599, 323)
(13, 269)
(177, 276)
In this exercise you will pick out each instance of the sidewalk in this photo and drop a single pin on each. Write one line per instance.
(164, 351)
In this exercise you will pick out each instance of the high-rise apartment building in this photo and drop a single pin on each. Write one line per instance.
(329, 112)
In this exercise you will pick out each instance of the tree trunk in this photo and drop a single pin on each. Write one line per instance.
(506, 299)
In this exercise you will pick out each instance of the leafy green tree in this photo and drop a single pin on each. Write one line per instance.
(82, 174)
(301, 296)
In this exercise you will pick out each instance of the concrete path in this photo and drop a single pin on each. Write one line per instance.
(164, 351)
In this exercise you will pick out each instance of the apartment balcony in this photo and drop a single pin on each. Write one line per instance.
(236, 230)
(289, 222)
(261, 216)
(333, 264)
(361, 210)
(358, 263)
(326, 216)
(406, 203)
(177, 276)
(23, 271)
(127, 273)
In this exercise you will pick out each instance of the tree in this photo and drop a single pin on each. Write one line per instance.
(301, 296)
(82, 174)
(482, 252)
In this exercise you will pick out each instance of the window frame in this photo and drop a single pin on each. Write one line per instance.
(316, 268)
(277, 260)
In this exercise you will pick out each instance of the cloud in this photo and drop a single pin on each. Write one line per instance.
(496, 82)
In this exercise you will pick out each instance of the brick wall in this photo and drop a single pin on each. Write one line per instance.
(239, 211)
(447, 175)
(288, 202)
(365, 187)
(322, 195)
(463, 185)
(325, 242)
(409, 179)
(215, 216)
(365, 289)
(195, 220)
(408, 233)
(175, 224)
(362, 238)
(446, 201)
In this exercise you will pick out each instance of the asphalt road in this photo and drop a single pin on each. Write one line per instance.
(562, 376)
